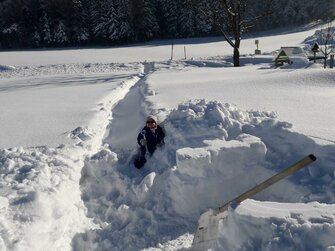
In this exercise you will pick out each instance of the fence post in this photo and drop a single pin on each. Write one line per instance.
(172, 52)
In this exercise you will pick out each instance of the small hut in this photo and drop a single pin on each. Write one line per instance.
(288, 55)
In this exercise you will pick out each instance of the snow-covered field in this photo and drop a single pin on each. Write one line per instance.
(69, 121)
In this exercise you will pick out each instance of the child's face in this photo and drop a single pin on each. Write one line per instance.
(151, 123)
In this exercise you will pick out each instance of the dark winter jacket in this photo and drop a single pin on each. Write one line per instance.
(153, 139)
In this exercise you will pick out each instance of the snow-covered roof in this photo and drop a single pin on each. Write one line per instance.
(292, 51)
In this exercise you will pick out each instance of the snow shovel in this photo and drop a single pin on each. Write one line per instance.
(142, 159)
(208, 223)
(147, 153)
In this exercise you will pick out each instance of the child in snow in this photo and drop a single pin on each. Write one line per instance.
(150, 137)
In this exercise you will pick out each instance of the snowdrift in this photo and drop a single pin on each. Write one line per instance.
(256, 225)
(7, 71)
(6, 68)
(213, 152)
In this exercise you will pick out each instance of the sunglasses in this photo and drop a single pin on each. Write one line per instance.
(151, 122)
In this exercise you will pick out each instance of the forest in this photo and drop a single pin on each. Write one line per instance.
(64, 23)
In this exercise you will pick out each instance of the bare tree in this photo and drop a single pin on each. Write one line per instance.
(326, 40)
(240, 17)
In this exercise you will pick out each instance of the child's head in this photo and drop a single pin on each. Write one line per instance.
(151, 121)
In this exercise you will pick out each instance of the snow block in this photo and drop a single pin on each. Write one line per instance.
(192, 160)
(209, 174)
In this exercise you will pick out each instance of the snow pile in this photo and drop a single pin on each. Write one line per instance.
(40, 206)
(6, 68)
(273, 226)
(211, 150)
(321, 35)
(81, 133)
(207, 63)
(213, 153)
(218, 144)
(298, 62)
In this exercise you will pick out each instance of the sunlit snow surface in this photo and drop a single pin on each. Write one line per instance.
(69, 120)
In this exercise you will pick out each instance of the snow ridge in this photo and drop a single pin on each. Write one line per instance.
(64, 69)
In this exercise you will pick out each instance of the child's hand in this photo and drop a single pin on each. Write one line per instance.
(143, 142)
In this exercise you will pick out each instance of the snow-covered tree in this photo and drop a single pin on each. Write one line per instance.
(204, 17)
(60, 37)
(105, 26)
(36, 39)
(25, 22)
(124, 27)
(75, 22)
(186, 19)
(144, 19)
(169, 18)
(291, 10)
(45, 32)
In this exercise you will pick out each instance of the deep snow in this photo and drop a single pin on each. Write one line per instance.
(68, 183)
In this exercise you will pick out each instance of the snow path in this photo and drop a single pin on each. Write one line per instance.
(117, 195)
(128, 117)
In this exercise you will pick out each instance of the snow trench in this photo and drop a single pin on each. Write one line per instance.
(213, 152)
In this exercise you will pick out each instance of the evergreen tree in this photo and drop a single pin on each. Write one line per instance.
(75, 22)
(187, 18)
(87, 16)
(291, 10)
(60, 36)
(11, 31)
(105, 25)
(27, 23)
(204, 18)
(124, 27)
(170, 16)
(36, 39)
(45, 37)
(144, 19)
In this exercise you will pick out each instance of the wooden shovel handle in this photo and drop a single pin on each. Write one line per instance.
(275, 178)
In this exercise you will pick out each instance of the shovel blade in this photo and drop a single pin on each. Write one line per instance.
(207, 230)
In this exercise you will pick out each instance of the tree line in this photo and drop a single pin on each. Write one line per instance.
(57, 23)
